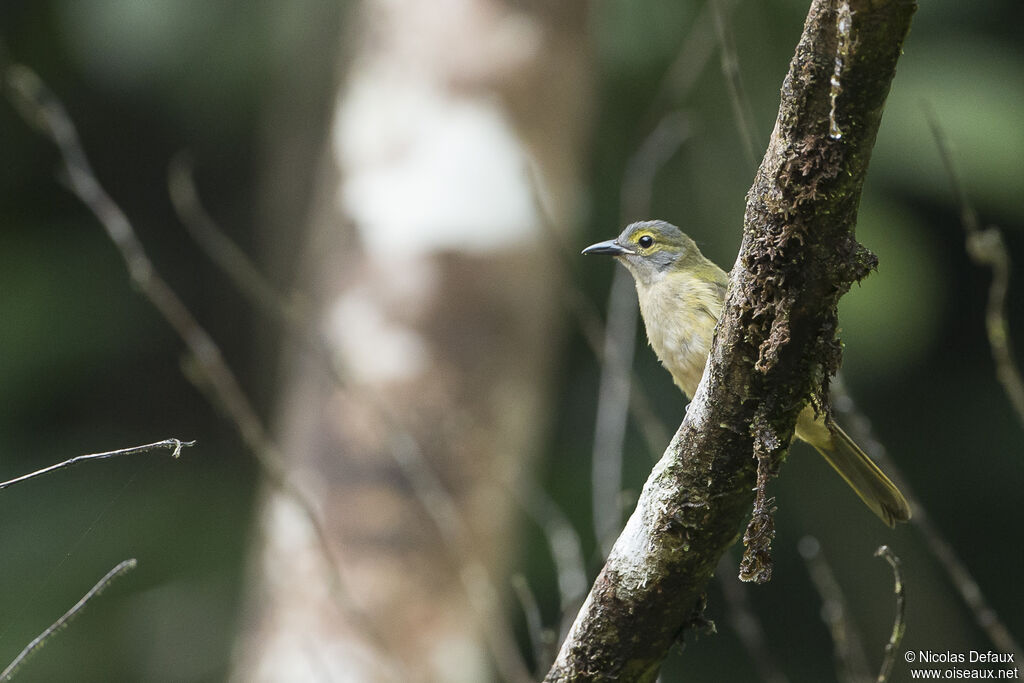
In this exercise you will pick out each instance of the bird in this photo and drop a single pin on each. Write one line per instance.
(681, 295)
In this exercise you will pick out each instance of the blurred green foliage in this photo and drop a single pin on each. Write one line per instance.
(86, 366)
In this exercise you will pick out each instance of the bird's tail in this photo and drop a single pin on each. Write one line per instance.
(864, 477)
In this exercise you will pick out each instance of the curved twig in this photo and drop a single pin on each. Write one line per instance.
(899, 625)
(40, 640)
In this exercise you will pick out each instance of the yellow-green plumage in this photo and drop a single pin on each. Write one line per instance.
(681, 296)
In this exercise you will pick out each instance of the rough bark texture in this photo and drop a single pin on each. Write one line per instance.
(775, 346)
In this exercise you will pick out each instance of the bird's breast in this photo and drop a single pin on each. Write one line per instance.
(680, 314)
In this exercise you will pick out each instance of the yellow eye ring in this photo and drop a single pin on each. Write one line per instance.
(645, 241)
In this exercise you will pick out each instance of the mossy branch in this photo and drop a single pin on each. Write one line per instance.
(775, 346)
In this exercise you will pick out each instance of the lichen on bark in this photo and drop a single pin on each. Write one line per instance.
(775, 346)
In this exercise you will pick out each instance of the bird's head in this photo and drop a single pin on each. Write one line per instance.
(651, 250)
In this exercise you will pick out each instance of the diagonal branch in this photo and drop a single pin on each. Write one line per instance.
(121, 569)
(775, 346)
(41, 108)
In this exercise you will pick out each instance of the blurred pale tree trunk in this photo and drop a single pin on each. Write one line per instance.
(433, 282)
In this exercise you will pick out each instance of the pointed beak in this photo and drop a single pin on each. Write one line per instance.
(610, 247)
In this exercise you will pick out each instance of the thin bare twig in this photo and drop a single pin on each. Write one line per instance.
(970, 592)
(619, 345)
(296, 317)
(986, 248)
(41, 108)
(655, 434)
(612, 411)
(734, 82)
(851, 662)
(233, 261)
(899, 626)
(40, 640)
(174, 444)
(564, 543)
(653, 431)
(483, 595)
(693, 55)
(541, 639)
(649, 158)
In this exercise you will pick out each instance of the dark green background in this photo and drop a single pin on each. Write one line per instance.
(86, 365)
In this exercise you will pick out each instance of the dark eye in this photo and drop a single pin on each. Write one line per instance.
(645, 241)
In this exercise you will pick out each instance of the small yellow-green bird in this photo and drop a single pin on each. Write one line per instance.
(681, 297)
